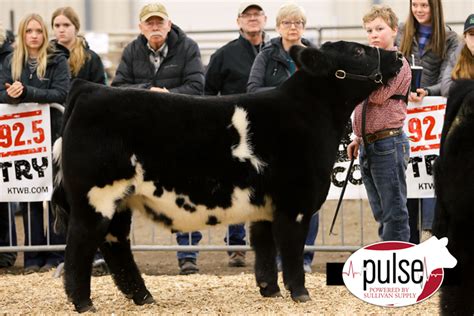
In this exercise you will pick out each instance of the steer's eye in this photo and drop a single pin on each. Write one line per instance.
(359, 51)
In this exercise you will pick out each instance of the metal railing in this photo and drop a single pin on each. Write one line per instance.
(160, 239)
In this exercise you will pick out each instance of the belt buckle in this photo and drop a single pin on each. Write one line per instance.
(371, 138)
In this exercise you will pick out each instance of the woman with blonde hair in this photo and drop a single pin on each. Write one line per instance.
(34, 72)
(461, 65)
(84, 63)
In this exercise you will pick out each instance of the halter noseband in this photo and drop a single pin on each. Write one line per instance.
(376, 76)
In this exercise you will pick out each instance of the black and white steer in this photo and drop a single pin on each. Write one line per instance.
(189, 162)
(454, 186)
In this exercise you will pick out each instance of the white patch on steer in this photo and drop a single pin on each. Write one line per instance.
(104, 199)
(240, 211)
(111, 238)
(133, 160)
(299, 218)
(57, 150)
(244, 149)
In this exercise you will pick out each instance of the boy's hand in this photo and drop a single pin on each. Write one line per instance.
(353, 149)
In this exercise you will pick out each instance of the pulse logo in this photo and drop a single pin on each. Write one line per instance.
(395, 273)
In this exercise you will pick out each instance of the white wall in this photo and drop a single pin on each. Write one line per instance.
(122, 15)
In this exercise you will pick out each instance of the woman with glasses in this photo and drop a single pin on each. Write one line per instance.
(272, 66)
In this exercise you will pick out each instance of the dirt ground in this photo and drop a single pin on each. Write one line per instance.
(218, 288)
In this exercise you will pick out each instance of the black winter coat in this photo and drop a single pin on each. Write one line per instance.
(433, 65)
(53, 88)
(93, 68)
(229, 68)
(5, 50)
(271, 68)
(181, 71)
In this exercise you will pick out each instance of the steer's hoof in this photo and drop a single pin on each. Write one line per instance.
(301, 298)
(269, 291)
(147, 299)
(85, 307)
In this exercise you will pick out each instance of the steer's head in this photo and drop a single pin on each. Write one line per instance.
(356, 67)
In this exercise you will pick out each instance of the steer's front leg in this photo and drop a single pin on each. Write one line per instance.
(290, 235)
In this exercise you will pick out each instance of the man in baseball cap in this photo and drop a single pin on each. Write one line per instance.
(469, 24)
(245, 5)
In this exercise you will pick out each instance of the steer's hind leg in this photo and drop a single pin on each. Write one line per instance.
(86, 230)
(119, 258)
(290, 235)
(261, 238)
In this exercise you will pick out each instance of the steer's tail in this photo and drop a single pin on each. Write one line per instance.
(59, 200)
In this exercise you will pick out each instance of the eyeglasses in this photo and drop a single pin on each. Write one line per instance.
(252, 15)
(288, 24)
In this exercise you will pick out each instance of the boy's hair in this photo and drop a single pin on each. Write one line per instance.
(384, 12)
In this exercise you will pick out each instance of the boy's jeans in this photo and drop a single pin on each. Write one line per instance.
(383, 166)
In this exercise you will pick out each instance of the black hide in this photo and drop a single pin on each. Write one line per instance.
(454, 184)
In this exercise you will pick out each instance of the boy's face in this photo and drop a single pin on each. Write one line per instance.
(380, 34)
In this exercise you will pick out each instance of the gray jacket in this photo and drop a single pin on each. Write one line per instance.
(270, 68)
(446, 80)
(433, 66)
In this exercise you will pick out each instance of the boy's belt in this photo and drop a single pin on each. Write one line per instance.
(371, 138)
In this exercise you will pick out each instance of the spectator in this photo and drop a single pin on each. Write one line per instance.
(272, 66)
(7, 259)
(384, 161)
(164, 59)
(461, 64)
(34, 72)
(426, 37)
(227, 73)
(84, 63)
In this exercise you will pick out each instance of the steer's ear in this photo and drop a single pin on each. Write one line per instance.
(311, 60)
